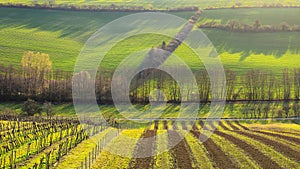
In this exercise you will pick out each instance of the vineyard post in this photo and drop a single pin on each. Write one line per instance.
(90, 159)
(51, 137)
(85, 159)
(59, 152)
(28, 150)
(35, 166)
(47, 160)
(60, 136)
(41, 162)
(67, 145)
(11, 160)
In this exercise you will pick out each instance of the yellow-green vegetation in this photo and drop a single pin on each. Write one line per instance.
(282, 160)
(163, 159)
(118, 152)
(61, 34)
(236, 154)
(149, 4)
(199, 152)
(81, 151)
(249, 16)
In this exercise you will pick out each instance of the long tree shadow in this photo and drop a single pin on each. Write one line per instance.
(247, 44)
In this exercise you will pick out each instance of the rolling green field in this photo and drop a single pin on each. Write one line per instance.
(62, 34)
(248, 16)
(165, 3)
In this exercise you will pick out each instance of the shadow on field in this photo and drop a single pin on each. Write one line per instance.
(276, 44)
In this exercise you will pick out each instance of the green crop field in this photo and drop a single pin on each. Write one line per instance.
(62, 34)
(248, 16)
(165, 3)
(258, 127)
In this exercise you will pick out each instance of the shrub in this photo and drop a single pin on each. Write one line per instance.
(31, 107)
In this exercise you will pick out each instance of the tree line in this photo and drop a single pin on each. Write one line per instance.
(236, 26)
(50, 4)
(43, 84)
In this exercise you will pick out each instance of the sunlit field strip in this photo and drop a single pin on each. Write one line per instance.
(238, 155)
(163, 159)
(81, 151)
(108, 159)
(267, 150)
(199, 151)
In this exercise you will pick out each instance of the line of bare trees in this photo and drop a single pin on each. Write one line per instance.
(56, 86)
(50, 4)
(236, 26)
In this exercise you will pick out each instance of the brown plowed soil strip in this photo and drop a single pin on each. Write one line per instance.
(232, 126)
(282, 148)
(156, 125)
(223, 126)
(218, 157)
(181, 151)
(145, 147)
(165, 125)
(201, 123)
(261, 159)
(174, 125)
(293, 139)
(194, 125)
(184, 125)
(243, 127)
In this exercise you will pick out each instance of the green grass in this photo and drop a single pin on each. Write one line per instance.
(170, 111)
(248, 16)
(165, 3)
(62, 34)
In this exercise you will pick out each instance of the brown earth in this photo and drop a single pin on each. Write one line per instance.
(282, 148)
(261, 159)
(145, 147)
(239, 124)
(184, 127)
(165, 125)
(217, 156)
(288, 138)
(223, 126)
(232, 126)
(181, 152)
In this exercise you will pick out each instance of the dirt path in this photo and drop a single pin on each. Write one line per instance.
(282, 148)
(181, 152)
(261, 159)
(145, 147)
(218, 157)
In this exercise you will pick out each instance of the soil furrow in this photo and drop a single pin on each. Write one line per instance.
(180, 151)
(145, 147)
(282, 148)
(232, 126)
(218, 157)
(165, 125)
(288, 138)
(156, 125)
(261, 159)
(223, 126)
(184, 127)
(239, 124)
